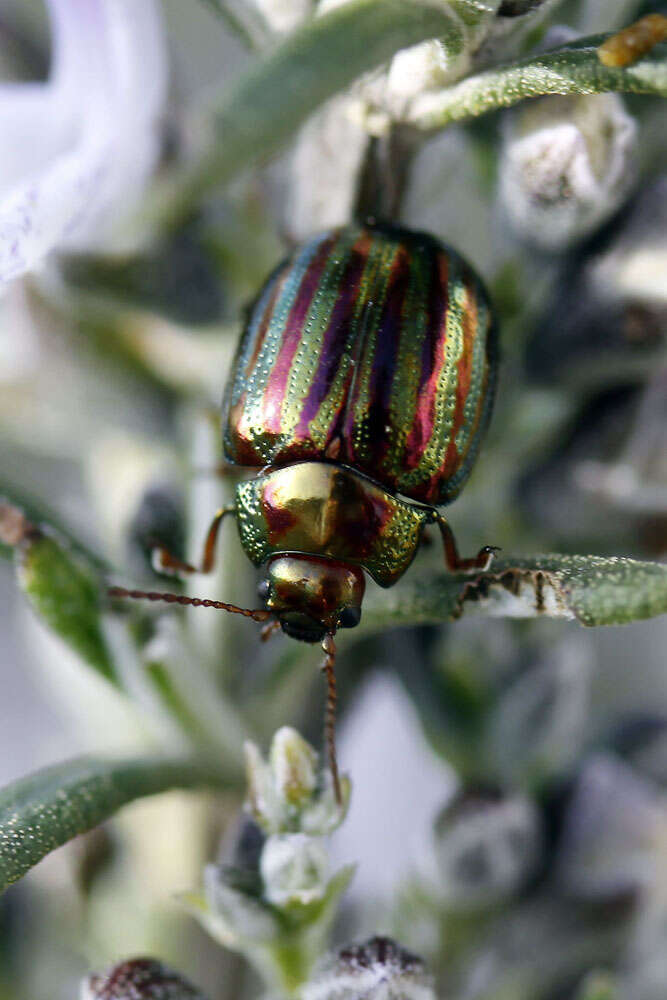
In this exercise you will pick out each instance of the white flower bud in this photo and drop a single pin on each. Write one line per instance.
(138, 979)
(286, 795)
(294, 869)
(294, 766)
(567, 163)
(376, 970)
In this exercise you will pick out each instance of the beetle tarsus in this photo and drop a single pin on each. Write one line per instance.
(455, 564)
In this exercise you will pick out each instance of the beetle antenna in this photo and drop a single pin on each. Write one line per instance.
(328, 667)
(194, 602)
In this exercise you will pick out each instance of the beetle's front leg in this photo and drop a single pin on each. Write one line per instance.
(164, 562)
(455, 564)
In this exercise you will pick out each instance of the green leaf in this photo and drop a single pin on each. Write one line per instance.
(573, 69)
(256, 115)
(63, 587)
(66, 594)
(590, 589)
(46, 809)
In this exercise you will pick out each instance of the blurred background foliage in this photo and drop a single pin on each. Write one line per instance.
(508, 818)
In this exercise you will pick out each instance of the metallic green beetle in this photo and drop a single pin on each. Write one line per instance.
(361, 389)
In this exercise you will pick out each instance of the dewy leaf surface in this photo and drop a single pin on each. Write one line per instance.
(46, 809)
(591, 589)
(573, 69)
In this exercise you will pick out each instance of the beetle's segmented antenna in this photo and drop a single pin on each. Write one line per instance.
(194, 602)
(329, 647)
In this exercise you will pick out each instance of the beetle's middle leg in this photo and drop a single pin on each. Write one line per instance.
(455, 564)
(164, 562)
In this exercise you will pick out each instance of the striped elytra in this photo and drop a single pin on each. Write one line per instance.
(373, 347)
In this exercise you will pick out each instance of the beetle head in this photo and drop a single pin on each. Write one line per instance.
(311, 596)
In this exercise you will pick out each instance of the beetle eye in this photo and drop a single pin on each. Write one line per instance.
(263, 590)
(349, 617)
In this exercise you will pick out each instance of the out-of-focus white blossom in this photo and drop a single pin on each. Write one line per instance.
(294, 869)
(76, 150)
(539, 724)
(486, 846)
(633, 266)
(567, 163)
(612, 833)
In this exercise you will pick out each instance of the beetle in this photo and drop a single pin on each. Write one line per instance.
(360, 392)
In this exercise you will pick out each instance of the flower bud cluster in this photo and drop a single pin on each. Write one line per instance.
(281, 900)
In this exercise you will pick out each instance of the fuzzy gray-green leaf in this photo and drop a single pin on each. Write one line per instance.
(572, 69)
(46, 809)
(590, 589)
(277, 94)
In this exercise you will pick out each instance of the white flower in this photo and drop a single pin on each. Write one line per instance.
(76, 151)
(294, 869)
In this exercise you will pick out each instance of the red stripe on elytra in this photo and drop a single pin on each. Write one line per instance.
(274, 392)
(432, 362)
(334, 342)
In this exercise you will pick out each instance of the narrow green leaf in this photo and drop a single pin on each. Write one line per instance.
(573, 69)
(63, 587)
(46, 809)
(256, 115)
(65, 593)
(590, 589)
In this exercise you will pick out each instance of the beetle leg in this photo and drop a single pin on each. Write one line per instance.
(270, 630)
(164, 562)
(328, 668)
(257, 615)
(455, 564)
